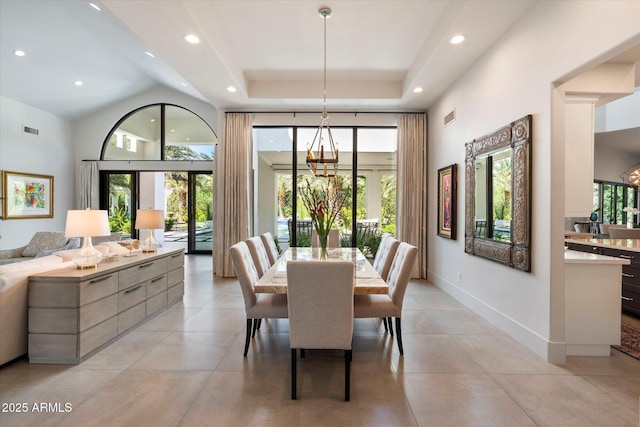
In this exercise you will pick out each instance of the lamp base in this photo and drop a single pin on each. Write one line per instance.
(88, 256)
(86, 266)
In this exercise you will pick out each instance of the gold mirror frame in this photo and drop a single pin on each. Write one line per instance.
(514, 253)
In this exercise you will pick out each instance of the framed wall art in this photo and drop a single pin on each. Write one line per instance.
(26, 195)
(447, 202)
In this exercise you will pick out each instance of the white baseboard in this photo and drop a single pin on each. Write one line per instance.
(552, 352)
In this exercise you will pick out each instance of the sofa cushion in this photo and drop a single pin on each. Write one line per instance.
(48, 262)
(43, 241)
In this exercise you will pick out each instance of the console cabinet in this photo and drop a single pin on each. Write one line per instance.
(630, 273)
(74, 313)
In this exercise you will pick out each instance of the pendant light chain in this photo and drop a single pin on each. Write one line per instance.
(324, 102)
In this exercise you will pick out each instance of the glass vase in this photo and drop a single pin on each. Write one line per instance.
(322, 241)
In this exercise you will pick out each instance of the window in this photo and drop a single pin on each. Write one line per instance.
(610, 198)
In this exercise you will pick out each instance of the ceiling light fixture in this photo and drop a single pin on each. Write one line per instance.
(78, 83)
(457, 39)
(231, 89)
(318, 158)
(632, 175)
(150, 54)
(95, 6)
(19, 53)
(192, 38)
(417, 90)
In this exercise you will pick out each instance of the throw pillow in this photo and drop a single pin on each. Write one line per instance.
(42, 241)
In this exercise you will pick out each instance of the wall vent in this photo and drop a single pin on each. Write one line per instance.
(449, 117)
(27, 129)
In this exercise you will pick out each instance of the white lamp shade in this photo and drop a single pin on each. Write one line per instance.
(149, 219)
(87, 223)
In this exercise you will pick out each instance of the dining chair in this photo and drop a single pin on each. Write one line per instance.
(257, 306)
(390, 305)
(320, 303)
(270, 246)
(333, 240)
(382, 263)
(259, 254)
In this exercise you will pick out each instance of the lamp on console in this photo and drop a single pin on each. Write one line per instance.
(87, 223)
(149, 220)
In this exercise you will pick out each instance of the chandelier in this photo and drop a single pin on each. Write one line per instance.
(322, 152)
(632, 175)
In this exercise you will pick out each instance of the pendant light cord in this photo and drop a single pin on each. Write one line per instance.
(324, 102)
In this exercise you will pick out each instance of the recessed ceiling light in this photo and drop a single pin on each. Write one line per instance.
(153, 120)
(457, 39)
(231, 89)
(19, 53)
(192, 38)
(173, 130)
(417, 89)
(78, 83)
(95, 6)
(150, 54)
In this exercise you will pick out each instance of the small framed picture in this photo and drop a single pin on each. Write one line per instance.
(26, 195)
(447, 202)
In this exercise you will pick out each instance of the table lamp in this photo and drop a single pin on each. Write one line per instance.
(149, 220)
(86, 224)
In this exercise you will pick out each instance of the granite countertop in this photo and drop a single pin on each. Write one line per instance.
(575, 257)
(624, 244)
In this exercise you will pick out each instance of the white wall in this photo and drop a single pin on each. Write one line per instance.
(609, 164)
(48, 153)
(551, 43)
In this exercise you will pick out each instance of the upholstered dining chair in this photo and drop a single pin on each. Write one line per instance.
(624, 233)
(259, 254)
(390, 305)
(257, 306)
(333, 240)
(270, 246)
(320, 301)
(382, 264)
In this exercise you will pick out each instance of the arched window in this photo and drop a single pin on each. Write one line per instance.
(160, 132)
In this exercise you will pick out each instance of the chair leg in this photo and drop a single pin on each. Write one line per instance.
(259, 323)
(248, 337)
(399, 334)
(302, 353)
(390, 326)
(347, 375)
(384, 322)
(255, 326)
(293, 373)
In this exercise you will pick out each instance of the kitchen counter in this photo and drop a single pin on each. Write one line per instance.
(624, 244)
(575, 257)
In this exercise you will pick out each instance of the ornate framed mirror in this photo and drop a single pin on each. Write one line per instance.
(498, 195)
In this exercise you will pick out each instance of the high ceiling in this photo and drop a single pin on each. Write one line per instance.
(378, 52)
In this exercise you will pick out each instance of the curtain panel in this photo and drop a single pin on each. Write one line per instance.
(88, 194)
(231, 199)
(412, 187)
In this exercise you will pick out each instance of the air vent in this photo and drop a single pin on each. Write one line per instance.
(27, 129)
(449, 117)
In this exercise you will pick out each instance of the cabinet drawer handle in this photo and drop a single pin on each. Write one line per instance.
(626, 298)
(626, 256)
(101, 279)
(145, 265)
(132, 289)
(156, 279)
(176, 255)
(627, 275)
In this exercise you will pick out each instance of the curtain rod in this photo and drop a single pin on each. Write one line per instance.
(355, 113)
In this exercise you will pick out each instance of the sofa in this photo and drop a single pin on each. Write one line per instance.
(42, 243)
(14, 294)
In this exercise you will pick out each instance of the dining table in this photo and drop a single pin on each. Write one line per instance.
(366, 280)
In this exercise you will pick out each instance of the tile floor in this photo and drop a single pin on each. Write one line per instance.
(185, 368)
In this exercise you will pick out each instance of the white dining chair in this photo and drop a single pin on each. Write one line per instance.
(259, 254)
(270, 246)
(382, 263)
(333, 240)
(257, 306)
(390, 305)
(320, 302)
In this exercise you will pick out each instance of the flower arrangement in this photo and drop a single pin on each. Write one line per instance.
(631, 209)
(323, 202)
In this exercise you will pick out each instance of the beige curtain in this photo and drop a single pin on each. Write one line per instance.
(88, 189)
(233, 162)
(412, 187)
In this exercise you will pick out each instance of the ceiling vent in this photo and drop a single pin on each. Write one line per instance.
(449, 117)
(27, 129)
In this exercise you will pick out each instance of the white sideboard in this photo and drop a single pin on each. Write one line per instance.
(75, 313)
